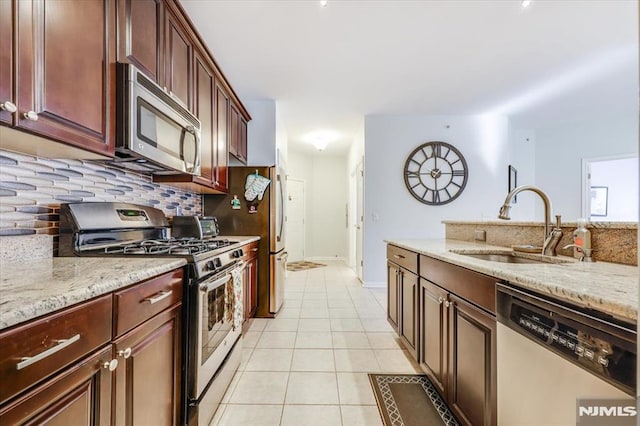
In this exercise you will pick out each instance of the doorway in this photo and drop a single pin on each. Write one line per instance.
(610, 189)
(295, 219)
(359, 223)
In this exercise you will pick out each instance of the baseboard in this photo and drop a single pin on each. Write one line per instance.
(374, 284)
(324, 259)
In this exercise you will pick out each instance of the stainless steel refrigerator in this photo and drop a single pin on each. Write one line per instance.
(267, 221)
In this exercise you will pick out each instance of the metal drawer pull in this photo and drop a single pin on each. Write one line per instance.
(398, 256)
(155, 299)
(447, 303)
(440, 300)
(254, 249)
(31, 115)
(28, 360)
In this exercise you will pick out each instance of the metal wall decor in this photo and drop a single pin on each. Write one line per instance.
(435, 173)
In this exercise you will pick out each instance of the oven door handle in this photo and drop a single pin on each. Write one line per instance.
(205, 287)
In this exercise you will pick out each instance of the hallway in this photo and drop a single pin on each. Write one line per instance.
(309, 365)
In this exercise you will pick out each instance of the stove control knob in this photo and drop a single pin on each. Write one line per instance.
(212, 265)
(237, 253)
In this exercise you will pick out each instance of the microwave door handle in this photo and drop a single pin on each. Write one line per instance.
(196, 137)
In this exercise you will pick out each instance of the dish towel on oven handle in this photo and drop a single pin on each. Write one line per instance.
(234, 305)
(254, 186)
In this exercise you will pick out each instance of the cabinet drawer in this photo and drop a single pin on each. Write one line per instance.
(250, 251)
(405, 258)
(38, 349)
(142, 301)
(473, 286)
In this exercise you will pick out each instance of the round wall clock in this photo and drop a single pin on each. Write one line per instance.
(435, 173)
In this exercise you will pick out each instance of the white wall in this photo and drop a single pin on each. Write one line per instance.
(560, 150)
(523, 158)
(326, 195)
(483, 140)
(621, 179)
(261, 133)
(354, 157)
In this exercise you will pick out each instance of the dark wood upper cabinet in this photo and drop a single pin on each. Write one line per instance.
(65, 71)
(7, 102)
(221, 149)
(237, 134)
(178, 59)
(204, 81)
(244, 149)
(140, 37)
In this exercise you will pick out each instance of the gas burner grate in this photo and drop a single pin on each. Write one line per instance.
(169, 247)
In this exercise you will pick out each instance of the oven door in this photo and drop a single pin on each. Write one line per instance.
(217, 303)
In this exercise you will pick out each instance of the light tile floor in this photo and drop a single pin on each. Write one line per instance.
(309, 365)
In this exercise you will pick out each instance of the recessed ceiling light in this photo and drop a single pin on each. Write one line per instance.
(526, 3)
(324, 3)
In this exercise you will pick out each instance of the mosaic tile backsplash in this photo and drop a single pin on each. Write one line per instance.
(32, 189)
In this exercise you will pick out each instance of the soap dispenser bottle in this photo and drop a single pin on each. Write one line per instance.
(582, 240)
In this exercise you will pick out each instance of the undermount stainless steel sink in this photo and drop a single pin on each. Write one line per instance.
(510, 257)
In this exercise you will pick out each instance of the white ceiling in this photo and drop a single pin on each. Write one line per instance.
(329, 67)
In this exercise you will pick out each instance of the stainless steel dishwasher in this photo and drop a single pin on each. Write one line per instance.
(550, 354)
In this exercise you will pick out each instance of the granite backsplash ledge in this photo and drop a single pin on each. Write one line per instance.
(615, 242)
(32, 189)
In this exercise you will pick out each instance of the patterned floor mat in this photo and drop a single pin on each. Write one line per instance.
(301, 266)
(409, 400)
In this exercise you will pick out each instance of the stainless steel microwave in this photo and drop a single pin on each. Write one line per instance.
(155, 133)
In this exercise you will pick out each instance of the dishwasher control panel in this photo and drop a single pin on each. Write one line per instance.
(607, 350)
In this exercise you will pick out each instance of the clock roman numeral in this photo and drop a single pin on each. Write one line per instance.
(436, 196)
(437, 150)
(458, 172)
(413, 174)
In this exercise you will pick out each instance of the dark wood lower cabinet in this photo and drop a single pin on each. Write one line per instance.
(472, 363)
(433, 334)
(79, 395)
(393, 290)
(409, 310)
(147, 383)
(458, 354)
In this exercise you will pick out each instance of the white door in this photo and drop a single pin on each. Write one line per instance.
(295, 219)
(360, 220)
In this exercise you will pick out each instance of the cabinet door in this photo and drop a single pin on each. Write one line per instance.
(472, 364)
(79, 395)
(433, 333)
(204, 105)
(221, 153)
(393, 290)
(409, 307)
(244, 150)
(178, 55)
(148, 376)
(252, 268)
(65, 71)
(140, 36)
(6, 61)
(234, 131)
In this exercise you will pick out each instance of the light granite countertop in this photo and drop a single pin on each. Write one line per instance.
(607, 287)
(36, 287)
(30, 290)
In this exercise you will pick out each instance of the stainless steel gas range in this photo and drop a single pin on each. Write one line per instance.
(212, 306)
